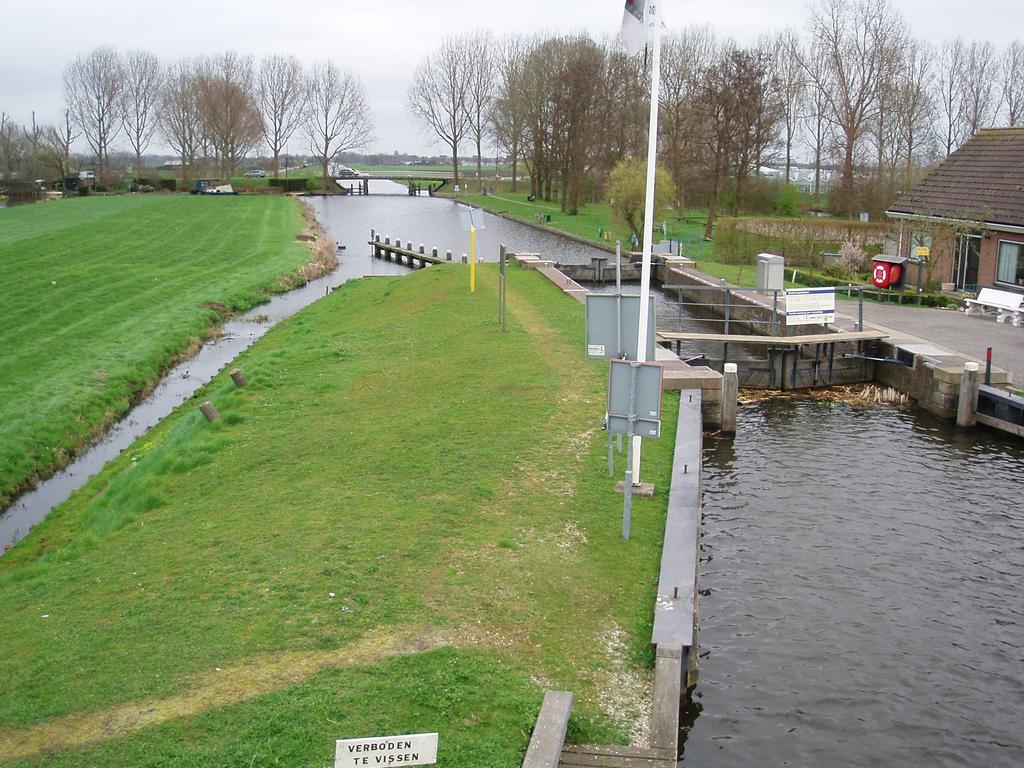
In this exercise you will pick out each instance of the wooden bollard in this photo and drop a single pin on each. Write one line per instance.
(730, 396)
(433, 252)
(239, 378)
(422, 250)
(447, 255)
(209, 411)
(967, 407)
(465, 259)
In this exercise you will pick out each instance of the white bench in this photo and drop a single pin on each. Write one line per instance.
(1007, 304)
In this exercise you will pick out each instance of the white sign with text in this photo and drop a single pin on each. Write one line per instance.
(412, 749)
(810, 306)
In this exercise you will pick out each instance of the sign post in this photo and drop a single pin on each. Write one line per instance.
(810, 306)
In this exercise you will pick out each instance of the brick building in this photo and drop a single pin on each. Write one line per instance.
(970, 210)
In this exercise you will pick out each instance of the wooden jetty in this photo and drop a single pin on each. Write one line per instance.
(414, 257)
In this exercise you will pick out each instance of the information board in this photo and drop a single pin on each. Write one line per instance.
(602, 337)
(810, 306)
(412, 749)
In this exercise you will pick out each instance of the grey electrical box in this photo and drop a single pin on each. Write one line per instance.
(771, 272)
(602, 337)
(646, 402)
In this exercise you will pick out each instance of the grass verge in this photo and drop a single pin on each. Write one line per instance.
(101, 295)
(397, 468)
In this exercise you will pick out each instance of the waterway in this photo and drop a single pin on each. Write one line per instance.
(862, 570)
(348, 220)
(862, 593)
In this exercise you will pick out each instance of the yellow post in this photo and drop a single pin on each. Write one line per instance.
(472, 259)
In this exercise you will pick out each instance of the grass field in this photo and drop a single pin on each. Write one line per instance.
(403, 524)
(100, 295)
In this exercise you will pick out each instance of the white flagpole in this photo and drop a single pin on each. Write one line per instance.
(652, 158)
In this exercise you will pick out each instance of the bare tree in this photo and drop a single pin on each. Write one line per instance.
(506, 117)
(951, 92)
(56, 147)
(229, 111)
(282, 96)
(337, 118)
(1013, 82)
(482, 65)
(439, 94)
(981, 73)
(883, 128)
(855, 37)
(915, 105)
(792, 81)
(816, 120)
(180, 113)
(139, 99)
(92, 85)
(685, 60)
(12, 148)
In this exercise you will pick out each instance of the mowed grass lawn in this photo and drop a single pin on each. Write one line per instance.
(100, 294)
(403, 524)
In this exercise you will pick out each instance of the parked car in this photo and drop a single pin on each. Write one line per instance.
(256, 173)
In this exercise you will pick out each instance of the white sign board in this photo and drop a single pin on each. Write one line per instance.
(413, 749)
(810, 306)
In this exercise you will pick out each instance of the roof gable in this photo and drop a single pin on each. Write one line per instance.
(983, 181)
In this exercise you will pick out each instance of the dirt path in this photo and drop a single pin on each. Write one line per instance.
(217, 688)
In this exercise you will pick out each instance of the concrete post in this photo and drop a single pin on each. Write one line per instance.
(730, 396)
(967, 409)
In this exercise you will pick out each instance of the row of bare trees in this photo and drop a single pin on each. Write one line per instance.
(212, 111)
(854, 93)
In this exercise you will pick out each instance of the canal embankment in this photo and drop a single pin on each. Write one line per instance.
(104, 295)
(449, 509)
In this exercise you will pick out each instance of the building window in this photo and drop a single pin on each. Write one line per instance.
(1010, 264)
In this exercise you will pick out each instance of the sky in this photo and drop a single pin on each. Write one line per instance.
(382, 42)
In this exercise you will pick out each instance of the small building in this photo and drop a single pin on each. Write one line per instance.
(970, 211)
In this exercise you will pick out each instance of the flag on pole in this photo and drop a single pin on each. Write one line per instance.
(634, 27)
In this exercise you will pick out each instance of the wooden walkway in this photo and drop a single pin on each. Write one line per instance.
(617, 757)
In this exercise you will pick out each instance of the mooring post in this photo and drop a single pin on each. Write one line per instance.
(730, 396)
(433, 252)
(447, 255)
(209, 411)
(465, 259)
(967, 408)
(239, 378)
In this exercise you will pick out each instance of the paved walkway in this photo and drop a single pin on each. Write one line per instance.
(966, 335)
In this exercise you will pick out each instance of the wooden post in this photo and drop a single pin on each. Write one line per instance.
(730, 395)
(433, 252)
(447, 255)
(239, 378)
(209, 411)
(967, 408)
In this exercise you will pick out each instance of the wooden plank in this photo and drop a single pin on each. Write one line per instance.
(611, 759)
(619, 751)
(777, 341)
(668, 691)
(549, 733)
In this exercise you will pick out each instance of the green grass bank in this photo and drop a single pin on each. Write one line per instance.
(101, 295)
(403, 524)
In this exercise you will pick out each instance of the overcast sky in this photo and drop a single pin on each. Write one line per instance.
(382, 42)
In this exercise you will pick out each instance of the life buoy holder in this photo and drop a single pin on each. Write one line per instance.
(880, 275)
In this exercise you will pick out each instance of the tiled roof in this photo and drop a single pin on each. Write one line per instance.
(983, 181)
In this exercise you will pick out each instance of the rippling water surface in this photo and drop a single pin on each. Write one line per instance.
(863, 593)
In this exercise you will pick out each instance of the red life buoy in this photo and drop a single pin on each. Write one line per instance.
(880, 275)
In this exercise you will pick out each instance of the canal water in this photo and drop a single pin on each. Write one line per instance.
(862, 598)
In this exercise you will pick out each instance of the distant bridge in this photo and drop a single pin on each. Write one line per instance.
(360, 185)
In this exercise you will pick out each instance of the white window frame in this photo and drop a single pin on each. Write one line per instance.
(1020, 258)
